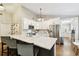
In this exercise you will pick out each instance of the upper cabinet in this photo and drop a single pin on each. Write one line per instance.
(38, 25)
(6, 18)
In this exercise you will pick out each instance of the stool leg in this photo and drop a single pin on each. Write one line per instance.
(7, 51)
(16, 52)
(2, 49)
(77, 52)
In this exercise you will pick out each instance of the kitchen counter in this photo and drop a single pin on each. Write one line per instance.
(44, 42)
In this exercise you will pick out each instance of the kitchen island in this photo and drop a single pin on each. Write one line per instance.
(44, 45)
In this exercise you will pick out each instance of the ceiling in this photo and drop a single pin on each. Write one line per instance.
(54, 9)
(50, 9)
(10, 7)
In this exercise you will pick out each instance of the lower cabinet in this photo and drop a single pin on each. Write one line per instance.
(38, 51)
(24, 49)
(27, 49)
(35, 50)
(30, 50)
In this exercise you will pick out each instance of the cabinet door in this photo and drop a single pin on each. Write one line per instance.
(5, 29)
(25, 50)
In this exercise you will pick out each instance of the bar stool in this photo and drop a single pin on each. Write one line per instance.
(76, 47)
(4, 48)
(12, 48)
(77, 50)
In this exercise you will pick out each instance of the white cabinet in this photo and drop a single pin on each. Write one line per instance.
(39, 25)
(5, 29)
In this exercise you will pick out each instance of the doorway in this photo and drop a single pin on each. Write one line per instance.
(65, 34)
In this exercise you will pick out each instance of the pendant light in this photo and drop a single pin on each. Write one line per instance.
(40, 16)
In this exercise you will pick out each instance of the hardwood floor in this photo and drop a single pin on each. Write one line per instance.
(66, 49)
